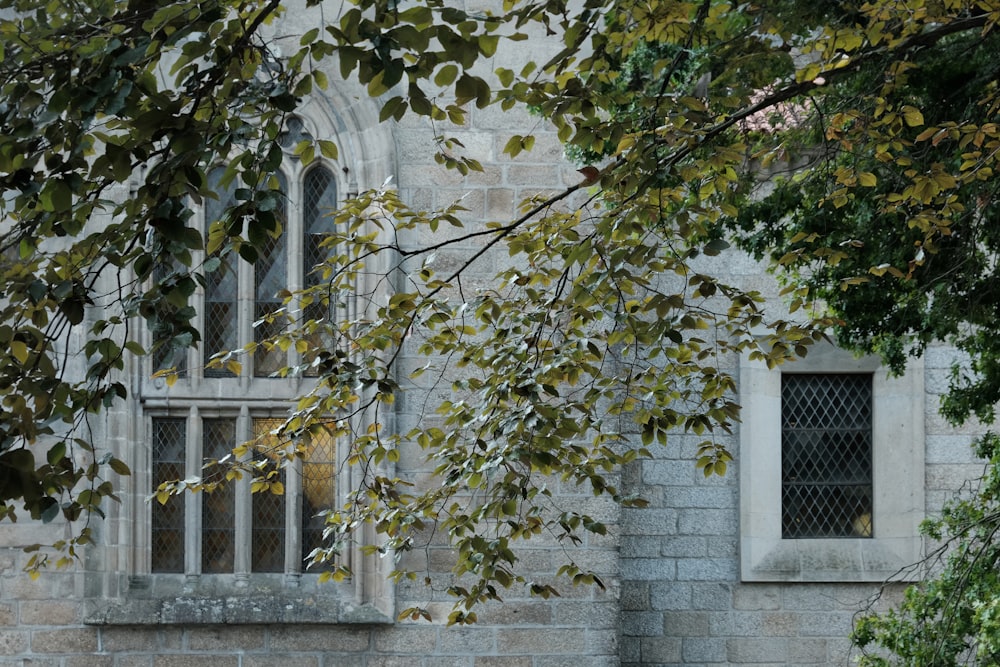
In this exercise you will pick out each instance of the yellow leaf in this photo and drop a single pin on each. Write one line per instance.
(627, 142)
(867, 179)
(944, 180)
(693, 103)
(852, 281)
(19, 350)
(809, 72)
(912, 116)
(847, 41)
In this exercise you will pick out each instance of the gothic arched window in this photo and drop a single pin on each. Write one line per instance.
(209, 411)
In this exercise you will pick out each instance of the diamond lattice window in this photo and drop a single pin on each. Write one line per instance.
(267, 543)
(270, 279)
(221, 328)
(274, 273)
(263, 537)
(167, 542)
(826, 456)
(318, 468)
(218, 507)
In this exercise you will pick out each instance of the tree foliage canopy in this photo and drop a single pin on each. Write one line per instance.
(854, 145)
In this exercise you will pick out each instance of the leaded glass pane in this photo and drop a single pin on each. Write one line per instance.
(218, 513)
(826, 456)
(270, 277)
(221, 285)
(167, 356)
(319, 191)
(167, 530)
(318, 488)
(268, 535)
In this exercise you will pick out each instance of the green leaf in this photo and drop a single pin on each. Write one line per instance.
(56, 453)
(446, 75)
(328, 149)
(19, 350)
(119, 466)
(309, 37)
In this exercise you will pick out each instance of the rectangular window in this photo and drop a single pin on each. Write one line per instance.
(826, 456)
(307, 487)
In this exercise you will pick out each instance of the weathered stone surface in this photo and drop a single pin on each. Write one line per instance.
(265, 609)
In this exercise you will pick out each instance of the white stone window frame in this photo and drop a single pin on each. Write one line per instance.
(137, 596)
(897, 466)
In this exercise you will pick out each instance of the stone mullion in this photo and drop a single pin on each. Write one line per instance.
(141, 557)
(192, 506)
(244, 505)
(244, 319)
(293, 522)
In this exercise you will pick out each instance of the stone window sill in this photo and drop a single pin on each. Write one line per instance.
(269, 608)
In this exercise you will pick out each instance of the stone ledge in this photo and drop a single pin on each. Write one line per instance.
(230, 610)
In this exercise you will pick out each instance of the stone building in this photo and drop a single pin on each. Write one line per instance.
(713, 572)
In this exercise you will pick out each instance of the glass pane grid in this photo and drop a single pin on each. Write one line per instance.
(318, 489)
(167, 356)
(270, 277)
(268, 535)
(220, 328)
(319, 192)
(267, 361)
(220, 334)
(167, 530)
(270, 272)
(826, 448)
(218, 515)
